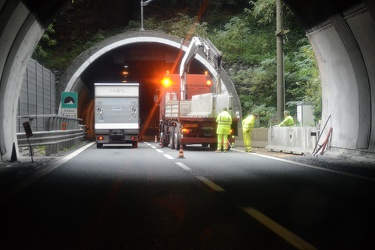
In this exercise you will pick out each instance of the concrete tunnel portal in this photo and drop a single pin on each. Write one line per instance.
(146, 56)
(342, 34)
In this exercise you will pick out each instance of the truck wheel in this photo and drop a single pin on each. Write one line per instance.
(177, 138)
(172, 137)
(164, 138)
(99, 145)
(135, 144)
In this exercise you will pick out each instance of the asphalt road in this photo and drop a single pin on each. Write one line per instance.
(149, 198)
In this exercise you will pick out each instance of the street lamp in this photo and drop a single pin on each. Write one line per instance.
(143, 4)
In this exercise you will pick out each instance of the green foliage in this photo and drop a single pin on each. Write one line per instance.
(181, 26)
(45, 42)
(251, 60)
(243, 30)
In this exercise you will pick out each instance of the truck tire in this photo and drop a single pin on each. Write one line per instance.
(163, 137)
(135, 144)
(172, 137)
(177, 137)
(99, 145)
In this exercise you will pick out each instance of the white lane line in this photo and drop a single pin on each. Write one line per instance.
(153, 147)
(183, 166)
(147, 143)
(210, 184)
(24, 184)
(159, 150)
(315, 167)
(278, 229)
(168, 156)
(320, 168)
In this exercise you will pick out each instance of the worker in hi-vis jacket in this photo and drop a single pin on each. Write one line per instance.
(247, 127)
(288, 120)
(224, 120)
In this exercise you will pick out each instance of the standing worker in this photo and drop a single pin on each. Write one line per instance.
(288, 120)
(247, 127)
(224, 120)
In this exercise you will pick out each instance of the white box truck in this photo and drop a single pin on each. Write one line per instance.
(116, 113)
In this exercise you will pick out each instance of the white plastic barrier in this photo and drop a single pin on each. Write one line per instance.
(296, 140)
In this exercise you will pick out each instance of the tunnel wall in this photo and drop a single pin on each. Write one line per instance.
(345, 54)
(19, 34)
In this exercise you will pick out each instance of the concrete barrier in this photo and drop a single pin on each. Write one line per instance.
(259, 138)
(295, 140)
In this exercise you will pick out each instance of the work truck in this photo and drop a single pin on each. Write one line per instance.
(190, 103)
(193, 120)
(116, 113)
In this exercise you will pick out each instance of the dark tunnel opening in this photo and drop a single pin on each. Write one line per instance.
(143, 63)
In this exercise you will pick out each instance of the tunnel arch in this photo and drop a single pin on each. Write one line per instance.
(72, 79)
(342, 34)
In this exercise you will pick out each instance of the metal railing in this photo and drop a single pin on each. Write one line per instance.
(61, 132)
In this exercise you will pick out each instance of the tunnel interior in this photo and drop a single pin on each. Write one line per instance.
(143, 63)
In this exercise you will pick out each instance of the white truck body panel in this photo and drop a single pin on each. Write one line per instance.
(116, 112)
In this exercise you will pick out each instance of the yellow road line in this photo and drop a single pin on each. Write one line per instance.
(284, 233)
(210, 184)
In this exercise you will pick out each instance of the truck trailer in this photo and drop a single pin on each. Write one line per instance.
(116, 113)
(190, 103)
(192, 120)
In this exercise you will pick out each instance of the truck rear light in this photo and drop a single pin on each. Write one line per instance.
(185, 131)
(100, 138)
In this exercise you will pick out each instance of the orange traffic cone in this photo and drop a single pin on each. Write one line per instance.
(181, 153)
(156, 138)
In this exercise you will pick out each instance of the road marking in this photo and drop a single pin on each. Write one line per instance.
(153, 146)
(315, 167)
(24, 184)
(183, 166)
(210, 184)
(168, 156)
(159, 150)
(278, 229)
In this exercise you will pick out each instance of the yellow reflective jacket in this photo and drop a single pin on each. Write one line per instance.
(288, 121)
(224, 120)
(248, 123)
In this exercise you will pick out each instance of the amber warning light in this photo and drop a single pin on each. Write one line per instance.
(208, 78)
(166, 80)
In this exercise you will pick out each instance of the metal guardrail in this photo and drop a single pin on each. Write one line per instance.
(62, 132)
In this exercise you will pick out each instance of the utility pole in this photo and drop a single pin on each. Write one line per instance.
(142, 5)
(280, 61)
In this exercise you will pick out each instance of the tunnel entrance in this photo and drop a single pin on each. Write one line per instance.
(145, 56)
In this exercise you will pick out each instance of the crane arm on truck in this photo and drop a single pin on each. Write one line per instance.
(213, 56)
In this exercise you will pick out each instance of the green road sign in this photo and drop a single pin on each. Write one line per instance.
(69, 100)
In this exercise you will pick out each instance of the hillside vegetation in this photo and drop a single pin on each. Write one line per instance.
(243, 30)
